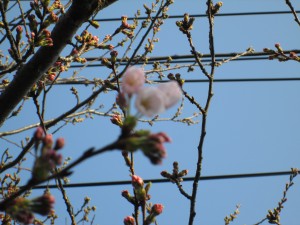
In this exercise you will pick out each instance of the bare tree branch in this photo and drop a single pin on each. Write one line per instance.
(293, 11)
(28, 74)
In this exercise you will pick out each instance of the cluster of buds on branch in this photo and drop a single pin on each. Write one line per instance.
(47, 155)
(126, 28)
(186, 24)
(39, 35)
(176, 176)
(152, 145)
(215, 8)
(139, 200)
(22, 209)
(280, 55)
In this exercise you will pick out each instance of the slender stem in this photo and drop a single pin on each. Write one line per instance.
(9, 34)
(66, 199)
(204, 116)
(293, 11)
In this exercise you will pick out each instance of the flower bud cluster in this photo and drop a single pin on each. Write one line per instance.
(22, 209)
(140, 191)
(215, 8)
(152, 145)
(48, 157)
(51, 18)
(156, 210)
(139, 199)
(56, 5)
(44, 39)
(126, 28)
(87, 38)
(176, 176)
(186, 24)
(280, 54)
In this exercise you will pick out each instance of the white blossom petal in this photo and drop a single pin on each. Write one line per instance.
(133, 80)
(172, 93)
(149, 101)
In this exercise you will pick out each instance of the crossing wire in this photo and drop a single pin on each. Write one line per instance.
(190, 58)
(203, 178)
(204, 15)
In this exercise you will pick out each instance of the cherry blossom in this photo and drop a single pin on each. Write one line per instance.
(150, 101)
(172, 93)
(133, 80)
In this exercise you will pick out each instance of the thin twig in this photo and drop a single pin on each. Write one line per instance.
(293, 11)
(204, 114)
(66, 199)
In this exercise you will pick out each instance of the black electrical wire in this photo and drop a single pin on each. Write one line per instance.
(204, 15)
(227, 80)
(231, 80)
(217, 55)
(180, 59)
(203, 178)
(173, 62)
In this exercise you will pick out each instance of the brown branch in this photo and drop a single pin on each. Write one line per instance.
(10, 37)
(204, 116)
(26, 76)
(293, 11)
(20, 156)
(66, 199)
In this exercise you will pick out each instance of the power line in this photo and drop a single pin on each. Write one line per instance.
(231, 80)
(203, 178)
(190, 56)
(227, 80)
(172, 62)
(181, 59)
(204, 15)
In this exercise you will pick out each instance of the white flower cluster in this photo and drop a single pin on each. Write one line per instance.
(150, 101)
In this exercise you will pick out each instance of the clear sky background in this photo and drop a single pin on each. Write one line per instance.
(252, 126)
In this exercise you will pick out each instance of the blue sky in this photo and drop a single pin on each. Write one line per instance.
(252, 127)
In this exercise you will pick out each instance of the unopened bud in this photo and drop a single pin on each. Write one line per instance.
(60, 143)
(48, 140)
(129, 220)
(39, 133)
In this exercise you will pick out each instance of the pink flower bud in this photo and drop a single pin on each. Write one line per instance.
(48, 140)
(20, 210)
(39, 133)
(19, 29)
(157, 209)
(125, 193)
(51, 76)
(60, 143)
(43, 205)
(153, 147)
(113, 53)
(137, 181)
(129, 220)
(117, 120)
